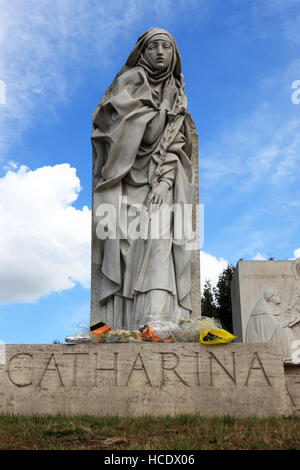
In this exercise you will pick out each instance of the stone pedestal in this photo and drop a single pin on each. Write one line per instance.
(144, 379)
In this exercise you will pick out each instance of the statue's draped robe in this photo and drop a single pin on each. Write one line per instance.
(140, 279)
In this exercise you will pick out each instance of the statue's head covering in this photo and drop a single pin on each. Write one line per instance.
(136, 57)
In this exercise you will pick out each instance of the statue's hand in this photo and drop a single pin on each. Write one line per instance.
(159, 193)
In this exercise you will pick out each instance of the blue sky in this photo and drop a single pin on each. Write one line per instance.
(240, 59)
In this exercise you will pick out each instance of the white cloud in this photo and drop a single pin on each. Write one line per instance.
(297, 253)
(259, 257)
(44, 240)
(210, 268)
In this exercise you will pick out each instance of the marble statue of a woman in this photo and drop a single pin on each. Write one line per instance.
(142, 157)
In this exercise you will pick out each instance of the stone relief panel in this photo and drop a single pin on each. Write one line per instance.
(266, 304)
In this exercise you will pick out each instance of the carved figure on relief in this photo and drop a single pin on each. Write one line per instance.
(270, 323)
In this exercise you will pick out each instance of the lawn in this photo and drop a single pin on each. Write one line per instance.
(184, 432)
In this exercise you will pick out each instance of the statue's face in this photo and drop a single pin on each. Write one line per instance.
(159, 53)
(275, 299)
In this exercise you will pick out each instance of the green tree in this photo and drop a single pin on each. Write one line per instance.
(216, 301)
(208, 306)
(222, 293)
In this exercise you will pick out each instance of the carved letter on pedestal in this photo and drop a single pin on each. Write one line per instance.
(198, 368)
(261, 367)
(114, 368)
(173, 368)
(75, 354)
(55, 368)
(138, 368)
(232, 376)
(9, 372)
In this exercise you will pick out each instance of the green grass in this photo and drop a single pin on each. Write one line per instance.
(183, 432)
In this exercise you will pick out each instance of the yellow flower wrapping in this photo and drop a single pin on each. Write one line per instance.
(219, 336)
